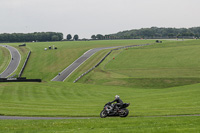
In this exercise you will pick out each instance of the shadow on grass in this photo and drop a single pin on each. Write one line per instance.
(148, 83)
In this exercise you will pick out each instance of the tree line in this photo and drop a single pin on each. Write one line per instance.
(151, 33)
(102, 37)
(30, 37)
(69, 37)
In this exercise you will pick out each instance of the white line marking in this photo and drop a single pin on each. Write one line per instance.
(70, 64)
(78, 66)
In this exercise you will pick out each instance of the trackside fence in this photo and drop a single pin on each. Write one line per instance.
(22, 70)
(21, 79)
(105, 58)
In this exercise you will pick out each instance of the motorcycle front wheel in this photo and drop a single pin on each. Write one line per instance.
(124, 113)
(103, 114)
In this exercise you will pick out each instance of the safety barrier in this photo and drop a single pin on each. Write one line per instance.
(22, 79)
(22, 70)
(105, 58)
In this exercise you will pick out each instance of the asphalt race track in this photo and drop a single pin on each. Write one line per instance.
(41, 118)
(14, 63)
(67, 71)
(59, 118)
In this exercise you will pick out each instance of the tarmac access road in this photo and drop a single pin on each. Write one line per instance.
(59, 118)
(41, 118)
(14, 63)
(70, 69)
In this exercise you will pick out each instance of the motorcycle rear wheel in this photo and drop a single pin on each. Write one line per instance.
(103, 114)
(124, 113)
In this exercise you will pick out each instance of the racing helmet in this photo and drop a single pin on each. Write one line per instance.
(116, 96)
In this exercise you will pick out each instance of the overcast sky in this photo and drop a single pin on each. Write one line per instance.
(88, 17)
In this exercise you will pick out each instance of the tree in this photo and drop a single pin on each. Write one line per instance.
(93, 37)
(155, 32)
(60, 35)
(107, 37)
(75, 37)
(55, 38)
(178, 35)
(29, 37)
(69, 37)
(170, 35)
(99, 36)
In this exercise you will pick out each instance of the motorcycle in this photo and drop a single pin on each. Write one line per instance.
(109, 111)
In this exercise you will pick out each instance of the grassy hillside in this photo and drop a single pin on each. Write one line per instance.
(122, 76)
(157, 66)
(4, 58)
(47, 64)
(69, 99)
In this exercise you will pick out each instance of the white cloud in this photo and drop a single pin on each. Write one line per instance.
(87, 17)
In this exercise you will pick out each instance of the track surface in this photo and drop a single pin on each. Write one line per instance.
(70, 69)
(41, 118)
(14, 63)
(67, 71)
(60, 118)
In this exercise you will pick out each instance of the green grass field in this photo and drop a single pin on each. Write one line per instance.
(69, 99)
(157, 66)
(142, 82)
(111, 125)
(47, 64)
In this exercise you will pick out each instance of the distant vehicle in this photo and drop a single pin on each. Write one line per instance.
(22, 45)
(109, 111)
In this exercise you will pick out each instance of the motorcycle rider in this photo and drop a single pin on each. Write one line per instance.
(118, 103)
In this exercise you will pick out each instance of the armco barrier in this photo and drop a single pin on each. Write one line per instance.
(22, 70)
(22, 79)
(92, 67)
(104, 59)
